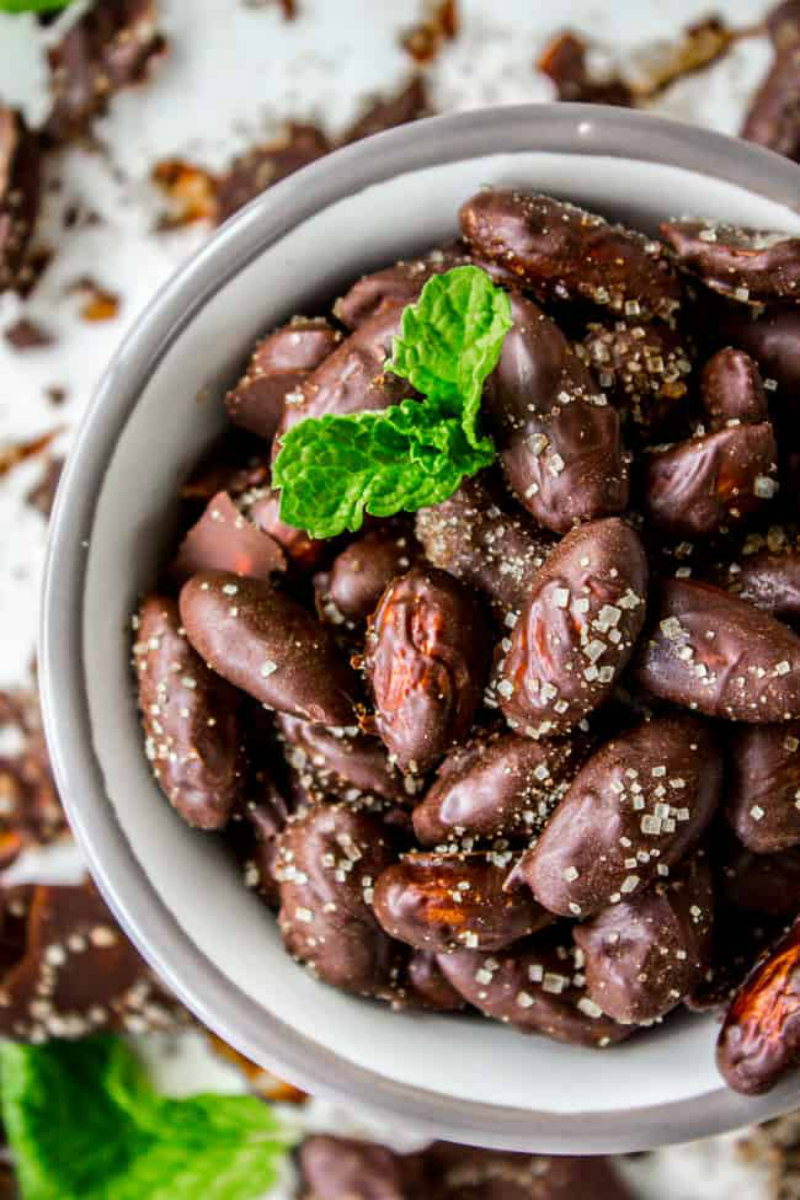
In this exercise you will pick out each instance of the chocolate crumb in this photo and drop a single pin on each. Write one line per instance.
(27, 334)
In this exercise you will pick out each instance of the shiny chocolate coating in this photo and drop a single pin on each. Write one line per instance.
(768, 884)
(633, 811)
(400, 284)
(537, 987)
(225, 540)
(427, 661)
(576, 632)
(718, 655)
(731, 390)
(349, 592)
(190, 719)
(276, 372)
(747, 265)
(771, 337)
(475, 538)
(762, 793)
(446, 901)
(345, 762)
(769, 579)
(265, 643)
(428, 986)
(759, 1042)
(562, 252)
(497, 786)
(328, 859)
(708, 484)
(645, 954)
(263, 506)
(559, 439)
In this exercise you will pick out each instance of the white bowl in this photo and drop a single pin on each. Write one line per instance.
(157, 407)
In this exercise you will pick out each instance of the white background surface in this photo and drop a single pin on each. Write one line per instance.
(233, 74)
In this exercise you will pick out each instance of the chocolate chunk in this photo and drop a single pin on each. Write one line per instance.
(446, 901)
(328, 860)
(26, 334)
(747, 265)
(408, 104)
(532, 987)
(707, 484)
(762, 795)
(277, 369)
(562, 252)
(265, 643)
(43, 493)
(189, 717)
(559, 440)
(225, 540)
(474, 538)
(425, 40)
(77, 973)
(631, 814)
(350, 591)
(564, 61)
(499, 786)
(19, 195)
(190, 192)
(719, 655)
(731, 390)
(645, 954)
(644, 367)
(262, 166)
(427, 660)
(112, 46)
(577, 630)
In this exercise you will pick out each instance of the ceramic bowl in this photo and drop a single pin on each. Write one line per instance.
(156, 409)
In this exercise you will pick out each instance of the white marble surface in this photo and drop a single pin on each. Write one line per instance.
(234, 73)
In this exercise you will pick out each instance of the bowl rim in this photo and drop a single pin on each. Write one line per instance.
(577, 129)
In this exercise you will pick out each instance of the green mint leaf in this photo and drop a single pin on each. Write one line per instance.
(333, 470)
(451, 340)
(84, 1124)
(23, 6)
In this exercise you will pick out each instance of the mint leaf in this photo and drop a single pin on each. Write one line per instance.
(451, 340)
(22, 6)
(333, 470)
(84, 1124)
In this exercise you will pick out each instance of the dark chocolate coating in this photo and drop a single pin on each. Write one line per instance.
(718, 655)
(225, 540)
(768, 884)
(261, 166)
(773, 119)
(708, 484)
(639, 803)
(276, 372)
(19, 194)
(264, 510)
(190, 719)
(772, 337)
(443, 902)
(562, 252)
(336, 1168)
(559, 439)
(759, 1042)
(644, 955)
(358, 577)
(329, 857)
(265, 643)
(768, 579)
(748, 265)
(731, 390)
(343, 761)
(427, 661)
(576, 632)
(428, 986)
(501, 785)
(400, 284)
(643, 368)
(762, 793)
(474, 538)
(532, 987)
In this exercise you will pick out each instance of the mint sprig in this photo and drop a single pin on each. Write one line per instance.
(23, 6)
(83, 1123)
(332, 470)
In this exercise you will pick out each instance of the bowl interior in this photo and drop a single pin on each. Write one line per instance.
(178, 412)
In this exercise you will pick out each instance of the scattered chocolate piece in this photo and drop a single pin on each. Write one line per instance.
(19, 195)
(30, 809)
(18, 452)
(408, 104)
(773, 118)
(42, 495)
(56, 394)
(27, 334)
(426, 39)
(266, 1085)
(701, 45)
(564, 61)
(190, 191)
(259, 168)
(114, 45)
(99, 304)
